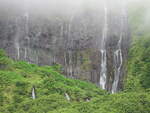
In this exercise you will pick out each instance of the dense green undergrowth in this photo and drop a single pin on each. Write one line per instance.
(18, 78)
(139, 55)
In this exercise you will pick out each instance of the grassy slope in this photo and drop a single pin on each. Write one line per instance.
(18, 78)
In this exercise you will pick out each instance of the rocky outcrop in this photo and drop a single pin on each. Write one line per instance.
(75, 41)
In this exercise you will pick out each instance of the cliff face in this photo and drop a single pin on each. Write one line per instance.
(91, 44)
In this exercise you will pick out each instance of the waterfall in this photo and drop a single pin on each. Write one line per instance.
(17, 45)
(67, 96)
(37, 59)
(103, 73)
(87, 100)
(25, 53)
(26, 15)
(70, 44)
(118, 60)
(33, 93)
(54, 59)
(70, 63)
(62, 31)
(18, 50)
(70, 52)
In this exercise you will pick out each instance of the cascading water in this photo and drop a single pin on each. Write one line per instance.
(118, 57)
(62, 31)
(25, 53)
(103, 69)
(18, 50)
(70, 63)
(37, 59)
(26, 34)
(118, 60)
(26, 23)
(67, 96)
(17, 45)
(103, 73)
(70, 67)
(33, 93)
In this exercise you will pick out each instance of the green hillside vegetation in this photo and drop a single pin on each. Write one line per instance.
(18, 78)
(139, 54)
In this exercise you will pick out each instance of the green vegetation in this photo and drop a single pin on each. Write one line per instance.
(139, 54)
(139, 64)
(18, 78)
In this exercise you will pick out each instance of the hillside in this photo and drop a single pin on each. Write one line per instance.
(139, 56)
(51, 90)
(33, 81)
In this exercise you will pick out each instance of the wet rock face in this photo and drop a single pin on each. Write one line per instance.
(74, 41)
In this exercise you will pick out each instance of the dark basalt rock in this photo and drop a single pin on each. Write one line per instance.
(74, 42)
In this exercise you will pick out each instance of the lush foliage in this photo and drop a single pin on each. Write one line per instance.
(139, 55)
(50, 86)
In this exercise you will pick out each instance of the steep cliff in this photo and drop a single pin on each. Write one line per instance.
(90, 42)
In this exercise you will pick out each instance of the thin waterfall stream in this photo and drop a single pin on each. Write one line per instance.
(26, 34)
(118, 57)
(118, 60)
(67, 96)
(103, 73)
(17, 45)
(33, 93)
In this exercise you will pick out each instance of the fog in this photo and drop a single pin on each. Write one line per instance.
(67, 8)
(59, 6)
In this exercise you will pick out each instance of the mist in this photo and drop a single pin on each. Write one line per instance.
(49, 7)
